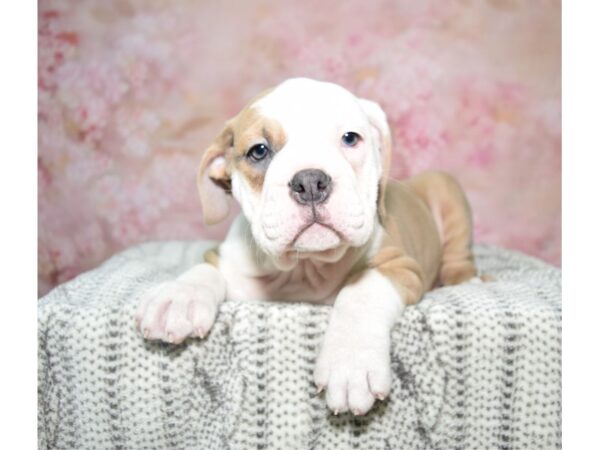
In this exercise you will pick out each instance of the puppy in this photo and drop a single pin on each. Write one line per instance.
(308, 163)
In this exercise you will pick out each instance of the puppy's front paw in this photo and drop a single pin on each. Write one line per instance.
(354, 370)
(175, 310)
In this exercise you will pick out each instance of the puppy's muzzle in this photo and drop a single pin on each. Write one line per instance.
(310, 187)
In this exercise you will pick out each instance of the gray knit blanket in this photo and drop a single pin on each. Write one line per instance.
(475, 366)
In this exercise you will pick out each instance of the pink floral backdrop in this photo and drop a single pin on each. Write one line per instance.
(130, 93)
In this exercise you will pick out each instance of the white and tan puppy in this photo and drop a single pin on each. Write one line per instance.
(308, 162)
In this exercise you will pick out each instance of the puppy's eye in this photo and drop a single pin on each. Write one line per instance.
(258, 152)
(350, 138)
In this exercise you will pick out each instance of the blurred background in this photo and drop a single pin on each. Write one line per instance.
(131, 92)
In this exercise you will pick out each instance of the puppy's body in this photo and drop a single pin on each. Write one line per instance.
(405, 247)
(321, 223)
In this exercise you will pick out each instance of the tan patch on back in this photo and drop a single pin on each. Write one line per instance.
(428, 234)
(410, 251)
(449, 204)
(410, 226)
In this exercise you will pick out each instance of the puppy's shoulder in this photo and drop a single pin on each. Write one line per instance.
(402, 198)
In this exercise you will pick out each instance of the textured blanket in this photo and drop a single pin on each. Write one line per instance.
(475, 366)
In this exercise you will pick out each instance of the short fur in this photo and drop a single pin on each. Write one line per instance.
(374, 246)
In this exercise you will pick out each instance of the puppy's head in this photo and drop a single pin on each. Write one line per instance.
(305, 161)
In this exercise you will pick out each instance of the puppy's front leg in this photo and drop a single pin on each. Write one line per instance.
(184, 307)
(354, 363)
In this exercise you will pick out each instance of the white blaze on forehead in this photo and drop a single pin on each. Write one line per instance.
(304, 106)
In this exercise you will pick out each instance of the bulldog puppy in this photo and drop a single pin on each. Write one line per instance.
(308, 161)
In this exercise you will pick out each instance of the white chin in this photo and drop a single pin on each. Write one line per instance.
(317, 238)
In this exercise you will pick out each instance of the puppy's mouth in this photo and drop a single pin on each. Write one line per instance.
(316, 236)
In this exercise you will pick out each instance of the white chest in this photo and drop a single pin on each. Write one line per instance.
(308, 281)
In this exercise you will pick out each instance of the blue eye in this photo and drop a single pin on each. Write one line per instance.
(350, 139)
(258, 152)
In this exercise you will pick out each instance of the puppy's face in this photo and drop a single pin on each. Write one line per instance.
(305, 161)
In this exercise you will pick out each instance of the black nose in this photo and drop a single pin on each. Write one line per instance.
(310, 186)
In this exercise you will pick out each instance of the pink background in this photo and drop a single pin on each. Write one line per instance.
(130, 93)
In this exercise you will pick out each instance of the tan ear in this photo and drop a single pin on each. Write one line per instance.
(214, 178)
(378, 121)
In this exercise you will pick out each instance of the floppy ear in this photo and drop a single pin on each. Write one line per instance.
(379, 123)
(214, 178)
